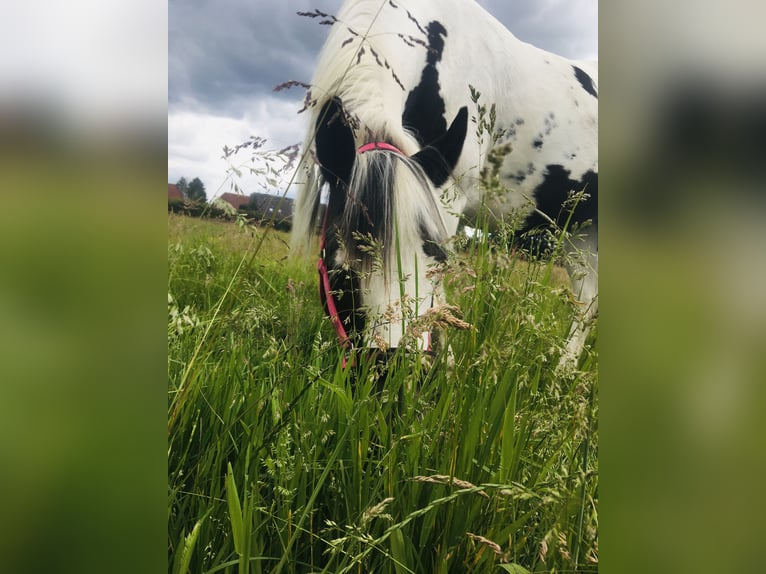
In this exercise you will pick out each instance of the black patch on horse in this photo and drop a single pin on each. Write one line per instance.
(552, 195)
(431, 246)
(585, 81)
(335, 145)
(439, 158)
(335, 149)
(519, 176)
(424, 111)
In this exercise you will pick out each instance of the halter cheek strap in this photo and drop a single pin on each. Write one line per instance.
(325, 293)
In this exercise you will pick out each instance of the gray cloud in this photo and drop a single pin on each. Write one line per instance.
(223, 54)
(569, 28)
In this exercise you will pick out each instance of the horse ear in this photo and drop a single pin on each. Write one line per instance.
(439, 158)
(334, 143)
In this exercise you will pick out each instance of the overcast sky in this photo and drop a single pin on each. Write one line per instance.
(225, 57)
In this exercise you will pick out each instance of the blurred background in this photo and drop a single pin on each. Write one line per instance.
(683, 285)
(83, 101)
(83, 162)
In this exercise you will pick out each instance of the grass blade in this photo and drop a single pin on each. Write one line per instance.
(235, 511)
(183, 557)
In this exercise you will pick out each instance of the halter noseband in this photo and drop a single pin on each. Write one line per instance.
(379, 146)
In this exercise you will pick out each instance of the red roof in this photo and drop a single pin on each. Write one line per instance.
(174, 192)
(235, 199)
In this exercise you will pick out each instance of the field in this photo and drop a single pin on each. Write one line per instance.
(281, 460)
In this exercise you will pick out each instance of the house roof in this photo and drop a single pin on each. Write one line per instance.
(272, 204)
(174, 192)
(235, 199)
(268, 204)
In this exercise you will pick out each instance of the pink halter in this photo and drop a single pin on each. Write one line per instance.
(326, 292)
(379, 146)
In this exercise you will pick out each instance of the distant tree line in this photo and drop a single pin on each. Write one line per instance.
(194, 191)
(194, 200)
(259, 208)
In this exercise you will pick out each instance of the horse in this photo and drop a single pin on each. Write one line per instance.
(389, 140)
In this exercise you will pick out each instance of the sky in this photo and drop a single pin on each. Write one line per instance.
(225, 58)
(78, 61)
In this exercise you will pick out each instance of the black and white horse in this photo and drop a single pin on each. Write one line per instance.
(391, 138)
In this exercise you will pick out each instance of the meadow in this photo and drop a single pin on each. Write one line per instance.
(282, 460)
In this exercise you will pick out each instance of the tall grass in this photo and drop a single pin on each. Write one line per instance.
(281, 460)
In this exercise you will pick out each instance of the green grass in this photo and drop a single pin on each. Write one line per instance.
(279, 462)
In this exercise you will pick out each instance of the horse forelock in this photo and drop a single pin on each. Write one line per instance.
(389, 202)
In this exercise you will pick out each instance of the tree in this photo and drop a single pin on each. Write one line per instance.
(183, 186)
(196, 191)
